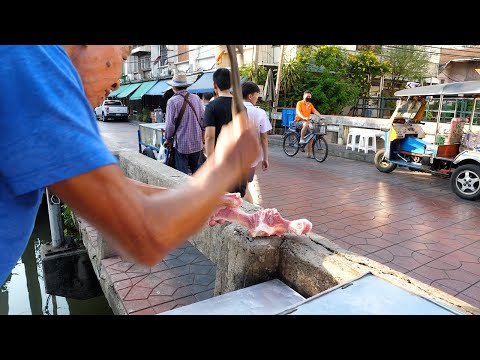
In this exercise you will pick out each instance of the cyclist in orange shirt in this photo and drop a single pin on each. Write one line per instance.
(304, 109)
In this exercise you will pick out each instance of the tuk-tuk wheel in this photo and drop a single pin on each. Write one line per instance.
(149, 152)
(465, 182)
(383, 165)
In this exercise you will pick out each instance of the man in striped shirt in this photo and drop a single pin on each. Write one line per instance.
(188, 138)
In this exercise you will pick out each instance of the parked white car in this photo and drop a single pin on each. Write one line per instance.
(111, 109)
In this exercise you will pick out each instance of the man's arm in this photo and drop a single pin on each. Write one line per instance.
(202, 121)
(146, 189)
(169, 120)
(149, 226)
(209, 119)
(318, 114)
(264, 127)
(264, 142)
(209, 140)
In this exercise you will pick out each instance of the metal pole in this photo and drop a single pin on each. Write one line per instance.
(473, 114)
(277, 88)
(439, 115)
(279, 78)
(382, 105)
(55, 218)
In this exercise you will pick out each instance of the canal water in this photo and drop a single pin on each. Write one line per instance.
(24, 291)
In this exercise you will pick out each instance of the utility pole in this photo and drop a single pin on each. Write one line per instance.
(255, 57)
(239, 54)
(277, 90)
(279, 78)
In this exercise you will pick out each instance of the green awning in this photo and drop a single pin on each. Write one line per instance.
(128, 90)
(118, 91)
(137, 95)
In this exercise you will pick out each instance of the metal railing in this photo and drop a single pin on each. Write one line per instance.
(374, 106)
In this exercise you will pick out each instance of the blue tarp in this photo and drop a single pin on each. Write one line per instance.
(203, 84)
(160, 88)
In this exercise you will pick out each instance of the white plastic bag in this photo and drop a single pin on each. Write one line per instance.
(162, 154)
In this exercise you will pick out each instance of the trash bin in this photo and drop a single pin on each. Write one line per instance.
(159, 115)
(288, 116)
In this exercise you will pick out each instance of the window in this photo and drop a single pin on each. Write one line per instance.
(163, 55)
(451, 108)
(145, 62)
(135, 64)
(114, 103)
(275, 54)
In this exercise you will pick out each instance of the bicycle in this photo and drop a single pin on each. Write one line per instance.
(316, 130)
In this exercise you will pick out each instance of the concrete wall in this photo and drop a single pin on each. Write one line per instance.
(309, 264)
(460, 71)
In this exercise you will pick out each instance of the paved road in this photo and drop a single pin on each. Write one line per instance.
(409, 221)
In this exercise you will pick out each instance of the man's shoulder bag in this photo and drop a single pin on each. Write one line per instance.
(171, 150)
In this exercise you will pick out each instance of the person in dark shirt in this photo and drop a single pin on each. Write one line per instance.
(219, 113)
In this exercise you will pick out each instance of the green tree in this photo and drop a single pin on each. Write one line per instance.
(69, 227)
(408, 62)
(376, 49)
(323, 71)
(293, 72)
(363, 67)
(258, 75)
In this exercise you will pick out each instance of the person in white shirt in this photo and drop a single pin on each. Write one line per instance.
(257, 117)
(206, 98)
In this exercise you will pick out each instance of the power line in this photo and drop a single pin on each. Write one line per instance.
(420, 49)
(172, 56)
(445, 53)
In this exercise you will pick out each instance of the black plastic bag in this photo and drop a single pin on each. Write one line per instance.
(171, 157)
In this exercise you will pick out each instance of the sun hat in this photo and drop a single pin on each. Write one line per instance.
(179, 80)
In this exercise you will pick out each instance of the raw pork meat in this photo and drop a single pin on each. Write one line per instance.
(265, 222)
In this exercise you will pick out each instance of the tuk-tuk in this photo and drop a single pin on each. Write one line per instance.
(449, 112)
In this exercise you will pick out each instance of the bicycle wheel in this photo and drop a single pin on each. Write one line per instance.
(290, 143)
(320, 149)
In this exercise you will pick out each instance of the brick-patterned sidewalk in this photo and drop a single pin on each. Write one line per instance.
(409, 221)
(185, 276)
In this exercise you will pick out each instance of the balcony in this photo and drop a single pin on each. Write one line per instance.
(140, 50)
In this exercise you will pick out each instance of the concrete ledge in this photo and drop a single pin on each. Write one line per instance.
(91, 240)
(308, 264)
(358, 121)
(142, 168)
(313, 264)
(333, 150)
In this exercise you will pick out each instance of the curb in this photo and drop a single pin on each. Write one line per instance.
(333, 150)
